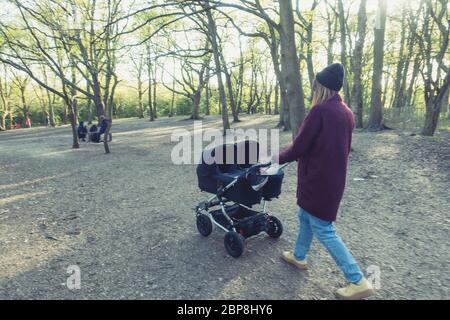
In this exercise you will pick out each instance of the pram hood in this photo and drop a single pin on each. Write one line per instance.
(227, 162)
(224, 163)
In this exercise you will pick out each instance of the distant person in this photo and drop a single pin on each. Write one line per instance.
(27, 120)
(321, 150)
(94, 136)
(82, 131)
(103, 126)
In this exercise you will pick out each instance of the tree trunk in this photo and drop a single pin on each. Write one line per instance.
(52, 115)
(111, 104)
(151, 113)
(51, 109)
(4, 121)
(431, 119)
(290, 67)
(24, 104)
(89, 103)
(253, 75)
(155, 113)
(445, 107)
(72, 107)
(402, 99)
(197, 95)
(309, 60)
(284, 103)
(5, 103)
(64, 116)
(283, 121)
(412, 81)
(196, 105)
(212, 30)
(376, 108)
(105, 137)
(434, 91)
(207, 111)
(331, 28)
(268, 97)
(172, 102)
(396, 103)
(433, 108)
(229, 85)
(240, 80)
(149, 92)
(264, 90)
(386, 82)
(307, 24)
(100, 109)
(230, 93)
(140, 99)
(90, 113)
(344, 56)
(357, 91)
(275, 107)
(49, 100)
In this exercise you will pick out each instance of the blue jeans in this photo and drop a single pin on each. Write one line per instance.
(311, 226)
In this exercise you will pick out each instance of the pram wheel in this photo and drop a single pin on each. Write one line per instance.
(204, 225)
(234, 243)
(274, 227)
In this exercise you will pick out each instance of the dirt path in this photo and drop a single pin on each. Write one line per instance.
(138, 239)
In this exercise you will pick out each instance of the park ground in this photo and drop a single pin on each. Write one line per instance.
(126, 220)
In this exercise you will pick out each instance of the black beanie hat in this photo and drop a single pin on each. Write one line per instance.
(331, 77)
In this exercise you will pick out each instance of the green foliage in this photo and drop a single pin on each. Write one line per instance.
(183, 34)
(183, 106)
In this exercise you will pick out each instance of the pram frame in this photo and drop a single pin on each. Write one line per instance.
(217, 199)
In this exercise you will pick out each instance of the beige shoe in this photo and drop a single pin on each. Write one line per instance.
(363, 289)
(289, 258)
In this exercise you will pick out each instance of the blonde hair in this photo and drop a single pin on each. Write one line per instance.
(321, 93)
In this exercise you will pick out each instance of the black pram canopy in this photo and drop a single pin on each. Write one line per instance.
(222, 164)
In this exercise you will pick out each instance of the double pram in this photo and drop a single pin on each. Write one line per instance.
(232, 173)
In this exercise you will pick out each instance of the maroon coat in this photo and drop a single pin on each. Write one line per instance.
(321, 149)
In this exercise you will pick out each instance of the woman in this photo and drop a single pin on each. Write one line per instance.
(27, 120)
(103, 124)
(321, 149)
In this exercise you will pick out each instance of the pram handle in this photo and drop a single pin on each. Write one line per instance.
(284, 165)
(264, 165)
(257, 166)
